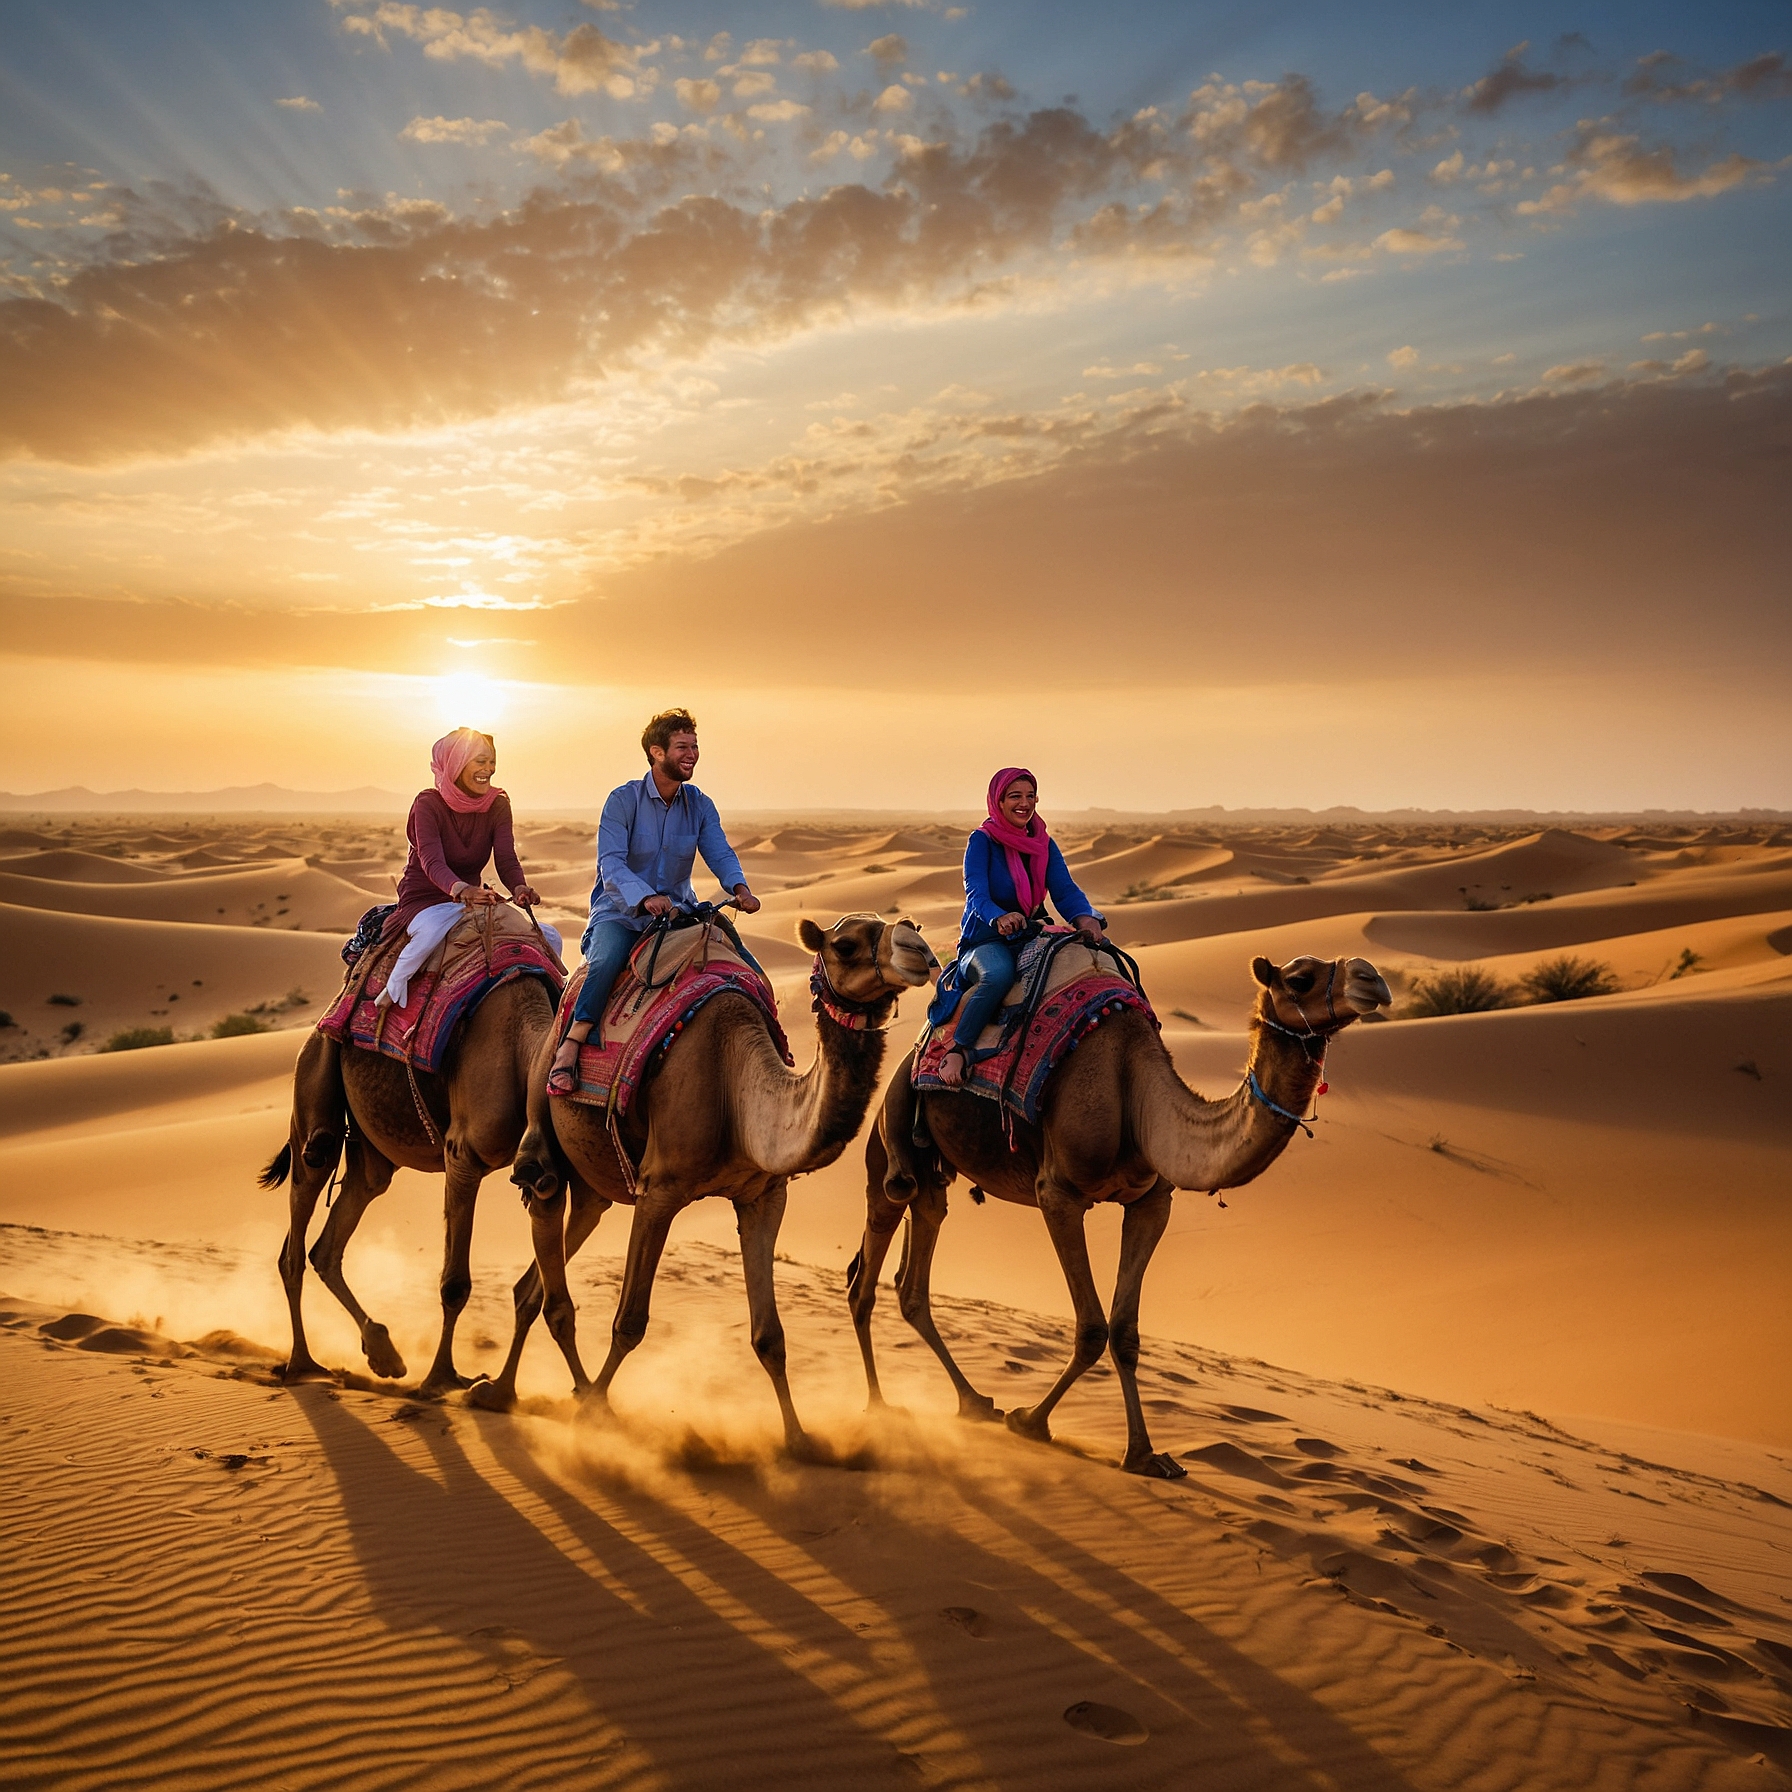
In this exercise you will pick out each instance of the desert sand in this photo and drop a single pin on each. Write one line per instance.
(1484, 1391)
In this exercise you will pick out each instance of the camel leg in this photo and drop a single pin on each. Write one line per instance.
(1064, 1213)
(926, 1214)
(530, 1294)
(654, 1213)
(366, 1177)
(1140, 1230)
(314, 1146)
(882, 1217)
(759, 1222)
(466, 1171)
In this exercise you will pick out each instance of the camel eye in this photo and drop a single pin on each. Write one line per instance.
(847, 948)
(1301, 982)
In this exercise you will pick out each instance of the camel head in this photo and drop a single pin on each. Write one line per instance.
(1319, 995)
(867, 961)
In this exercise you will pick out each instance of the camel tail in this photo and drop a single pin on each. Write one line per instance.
(278, 1167)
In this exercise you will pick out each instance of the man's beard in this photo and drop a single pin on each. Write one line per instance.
(679, 774)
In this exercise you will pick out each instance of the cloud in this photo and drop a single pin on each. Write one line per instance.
(1508, 78)
(583, 61)
(452, 130)
(1416, 242)
(889, 51)
(893, 99)
(299, 103)
(1403, 357)
(1620, 171)
(1659, 77)
(1574, 373)
(777, 111)
(697, 96)
(815, 62)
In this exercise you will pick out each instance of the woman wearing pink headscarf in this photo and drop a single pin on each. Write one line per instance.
(455, 829)
(1011, 865)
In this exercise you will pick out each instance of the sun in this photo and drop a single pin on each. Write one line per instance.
(468, 700)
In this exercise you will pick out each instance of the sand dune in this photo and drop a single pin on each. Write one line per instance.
(77, 867)
(149, 974)
(290, 896)
(1384, 1571)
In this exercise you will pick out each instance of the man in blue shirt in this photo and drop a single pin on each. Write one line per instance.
(647, 842)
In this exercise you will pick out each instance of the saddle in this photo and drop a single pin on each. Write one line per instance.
(488, 947)
(670, 975)
(1063, 990)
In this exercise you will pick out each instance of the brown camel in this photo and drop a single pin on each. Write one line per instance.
(1117, 1124)
(477, 1105)
(722, 1115)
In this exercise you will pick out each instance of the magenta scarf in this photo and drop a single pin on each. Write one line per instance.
(448, 759)
(1029, 852)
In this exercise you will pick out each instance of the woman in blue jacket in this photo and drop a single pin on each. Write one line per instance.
(1011, 864)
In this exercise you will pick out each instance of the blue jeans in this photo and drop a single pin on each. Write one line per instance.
(988, 972)
(606, 946)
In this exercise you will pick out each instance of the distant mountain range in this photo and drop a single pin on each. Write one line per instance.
(241, 799)
(369, 799)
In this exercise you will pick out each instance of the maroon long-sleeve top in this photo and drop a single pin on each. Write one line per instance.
(447, 849)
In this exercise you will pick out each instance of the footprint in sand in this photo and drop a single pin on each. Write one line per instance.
(1108, 1723)
(968, 1619)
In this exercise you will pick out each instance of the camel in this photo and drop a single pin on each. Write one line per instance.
(722, 1115)
(1117, 1124)
(478, 1107)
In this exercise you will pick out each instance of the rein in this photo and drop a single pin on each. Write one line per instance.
(1312, 1042)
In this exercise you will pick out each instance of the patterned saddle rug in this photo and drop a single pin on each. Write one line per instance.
(654, 1000)
(488, 948)
(1073, 991)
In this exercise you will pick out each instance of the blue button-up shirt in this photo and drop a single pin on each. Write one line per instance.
(647, 846)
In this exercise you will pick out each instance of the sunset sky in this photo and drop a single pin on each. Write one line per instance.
(1270, 404)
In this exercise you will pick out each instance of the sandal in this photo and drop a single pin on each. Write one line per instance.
(563, 1079)
(964, 1068)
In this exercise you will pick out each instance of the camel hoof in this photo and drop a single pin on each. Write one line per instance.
(978, 1409)
(1023, 1423)
(304, 1369)
(438, 1386)
(490, 1396)
(1155, 1465)
(591, 1405)
(382, 1356)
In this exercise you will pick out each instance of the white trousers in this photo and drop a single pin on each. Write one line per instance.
(427, 931)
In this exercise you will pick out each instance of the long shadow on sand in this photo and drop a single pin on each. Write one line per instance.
(817, 1651)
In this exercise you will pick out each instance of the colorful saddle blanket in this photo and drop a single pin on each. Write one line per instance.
(1082, 988)
(488, 948)
(652, 1003)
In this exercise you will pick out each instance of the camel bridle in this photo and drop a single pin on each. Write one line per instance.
(1312, 1040)
(848, 1011)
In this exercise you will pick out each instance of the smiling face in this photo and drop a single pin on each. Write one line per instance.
(677, 760)
(476, 775)
(1018, 802)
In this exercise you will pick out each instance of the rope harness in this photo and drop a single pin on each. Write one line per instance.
(846, 1011)
(1312, 1042)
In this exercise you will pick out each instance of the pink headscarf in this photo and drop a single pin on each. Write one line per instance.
(448, 759)
(1028, 851)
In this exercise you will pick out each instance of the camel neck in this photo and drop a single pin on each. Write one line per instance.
(1195, 1143)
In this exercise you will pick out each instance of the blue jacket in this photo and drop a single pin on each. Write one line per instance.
(647, 846)
(989, 891)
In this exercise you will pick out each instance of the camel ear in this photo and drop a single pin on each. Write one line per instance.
(810, 934)
(1265, 972)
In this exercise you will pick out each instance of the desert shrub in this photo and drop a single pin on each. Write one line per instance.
(134, 1039)
(1467, 989)
(72, 1032)
(6, 1020)
(63, 1001)
(234, 1026)
(1689, 962)
(1568, 979)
